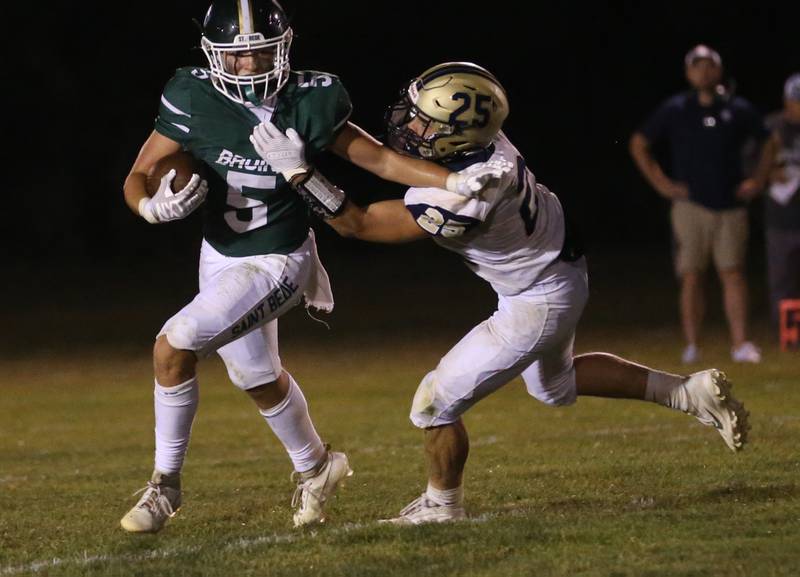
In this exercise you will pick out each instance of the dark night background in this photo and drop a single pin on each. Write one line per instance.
(580, 78)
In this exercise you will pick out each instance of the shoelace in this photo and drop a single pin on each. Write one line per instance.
(298, 492)
(304, 487)
(152, 500)
(420, 502)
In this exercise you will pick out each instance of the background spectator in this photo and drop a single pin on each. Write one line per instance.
(780, 170)
(704, 129)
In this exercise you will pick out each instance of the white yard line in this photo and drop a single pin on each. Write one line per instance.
(241, 544)
(86, 559)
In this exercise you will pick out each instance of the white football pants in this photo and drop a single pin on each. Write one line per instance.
(235, 313)
(531, 334)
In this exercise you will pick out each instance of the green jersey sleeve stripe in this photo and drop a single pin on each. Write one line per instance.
(180, 127)
(172, 108)
(342, 121)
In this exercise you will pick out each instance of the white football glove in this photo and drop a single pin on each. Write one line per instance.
(285, 153)
(471, 181)
(166, 205)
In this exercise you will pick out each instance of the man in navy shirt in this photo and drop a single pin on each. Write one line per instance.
(704, 130)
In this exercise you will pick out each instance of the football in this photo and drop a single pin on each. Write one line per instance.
(185, 166)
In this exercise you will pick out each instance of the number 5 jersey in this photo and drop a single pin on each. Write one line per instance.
(250, 208)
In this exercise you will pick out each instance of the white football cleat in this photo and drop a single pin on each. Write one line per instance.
(711, 401)
(422, 510)
(315, 489)
(160, 501)
(747, 352)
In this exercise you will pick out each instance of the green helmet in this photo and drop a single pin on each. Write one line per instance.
(236, 26)
(448, 111)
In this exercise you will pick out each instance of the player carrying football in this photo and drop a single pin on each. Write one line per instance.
(513, 235)
(258, 257)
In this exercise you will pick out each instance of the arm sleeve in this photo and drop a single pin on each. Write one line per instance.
(322, 112)
(174, 118)
(343, 108)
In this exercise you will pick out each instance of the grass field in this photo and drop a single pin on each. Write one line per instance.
(602, 488)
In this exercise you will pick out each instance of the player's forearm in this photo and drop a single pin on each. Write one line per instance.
(384, 222)
(154, 148)
(411, 171)
(348, 223)
(134, 190)
(357, 146)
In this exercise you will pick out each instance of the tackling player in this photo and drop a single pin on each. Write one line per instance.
(514, 236)
(258, 257)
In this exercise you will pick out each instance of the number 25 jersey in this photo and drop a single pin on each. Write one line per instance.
(508, 235)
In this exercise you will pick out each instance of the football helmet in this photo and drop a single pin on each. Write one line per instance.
(232, 27)
(447, 112)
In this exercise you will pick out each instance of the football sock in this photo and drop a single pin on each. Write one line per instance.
(291, 423)
(666, 389)
(175, 408)
(445, 496)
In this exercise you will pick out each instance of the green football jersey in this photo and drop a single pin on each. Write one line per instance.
(250, 209)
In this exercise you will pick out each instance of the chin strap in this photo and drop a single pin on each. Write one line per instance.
(250, 95)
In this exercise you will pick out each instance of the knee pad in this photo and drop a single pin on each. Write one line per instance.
(557, 392)
(181, 333)
(423, 407)
(433, 405)
(246, 376)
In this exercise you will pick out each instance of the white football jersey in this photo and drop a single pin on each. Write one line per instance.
(508, 235)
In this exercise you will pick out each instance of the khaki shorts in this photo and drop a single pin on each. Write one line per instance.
(701, 233)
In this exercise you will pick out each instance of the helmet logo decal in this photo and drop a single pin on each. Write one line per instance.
(245, 17)
(247, 38)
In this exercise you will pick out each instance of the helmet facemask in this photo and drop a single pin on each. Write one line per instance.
(256, 88)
